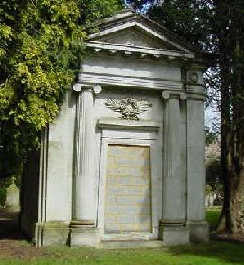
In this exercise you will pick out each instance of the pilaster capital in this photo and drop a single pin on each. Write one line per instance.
(167, 94)
(78, 87)
(96, 89)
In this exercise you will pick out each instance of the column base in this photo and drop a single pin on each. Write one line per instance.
(199, 231)
(173, 234)
(84, 236)
(51, 234)
(83, 233)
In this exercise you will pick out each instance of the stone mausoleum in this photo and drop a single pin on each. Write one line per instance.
(123, 164)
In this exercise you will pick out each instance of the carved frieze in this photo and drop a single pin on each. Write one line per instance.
(193, 77)
(128, 108)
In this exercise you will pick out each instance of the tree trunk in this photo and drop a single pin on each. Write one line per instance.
(232, 114)
(237, 178)
(237, 203)
(224, 64)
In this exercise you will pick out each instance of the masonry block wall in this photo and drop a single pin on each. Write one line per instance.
(128, 192)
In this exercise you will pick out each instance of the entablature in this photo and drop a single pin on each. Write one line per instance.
(141, 52)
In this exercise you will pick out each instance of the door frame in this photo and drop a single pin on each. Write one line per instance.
(147, 138)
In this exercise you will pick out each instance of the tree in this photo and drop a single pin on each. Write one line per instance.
(41, 48)
(190, 19)
(230, 32)
(217, 26)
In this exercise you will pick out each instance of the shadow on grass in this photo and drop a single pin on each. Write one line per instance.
(228, 251)
(9, 228)
(231, 252)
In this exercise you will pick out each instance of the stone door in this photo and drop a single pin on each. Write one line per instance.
(128, 189)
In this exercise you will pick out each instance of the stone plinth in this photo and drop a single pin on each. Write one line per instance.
(199, 231)
(84, 236)
(174, 234)
(52, 233)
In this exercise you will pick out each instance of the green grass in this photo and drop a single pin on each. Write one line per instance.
(214, 253)
(212, 216)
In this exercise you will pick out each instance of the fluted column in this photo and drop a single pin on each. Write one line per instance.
(84, 206)
(174, 177)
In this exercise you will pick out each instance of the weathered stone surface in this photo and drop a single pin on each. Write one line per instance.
(124, 159)
(175, 235)
(88, 237)
(126, 198)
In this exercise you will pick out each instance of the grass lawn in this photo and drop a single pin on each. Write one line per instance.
(214, 253)
(212, 216)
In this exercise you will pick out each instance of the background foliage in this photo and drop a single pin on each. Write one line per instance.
(41, 48)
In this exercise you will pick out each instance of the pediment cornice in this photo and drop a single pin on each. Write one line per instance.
(132, 34)
(139, 51)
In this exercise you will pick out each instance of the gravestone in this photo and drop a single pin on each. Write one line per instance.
(210, 199)
(12, 198)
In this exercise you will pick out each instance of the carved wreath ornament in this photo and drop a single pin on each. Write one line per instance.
(128, 107)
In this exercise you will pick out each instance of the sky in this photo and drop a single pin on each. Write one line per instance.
(143, 7)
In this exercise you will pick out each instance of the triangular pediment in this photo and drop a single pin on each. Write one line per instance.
(128, 30)
(136, 37)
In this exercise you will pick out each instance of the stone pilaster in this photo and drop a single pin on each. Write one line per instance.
(172, 224)
(196, 222)
(83, 224)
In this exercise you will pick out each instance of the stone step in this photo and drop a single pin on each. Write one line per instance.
(114, 244)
